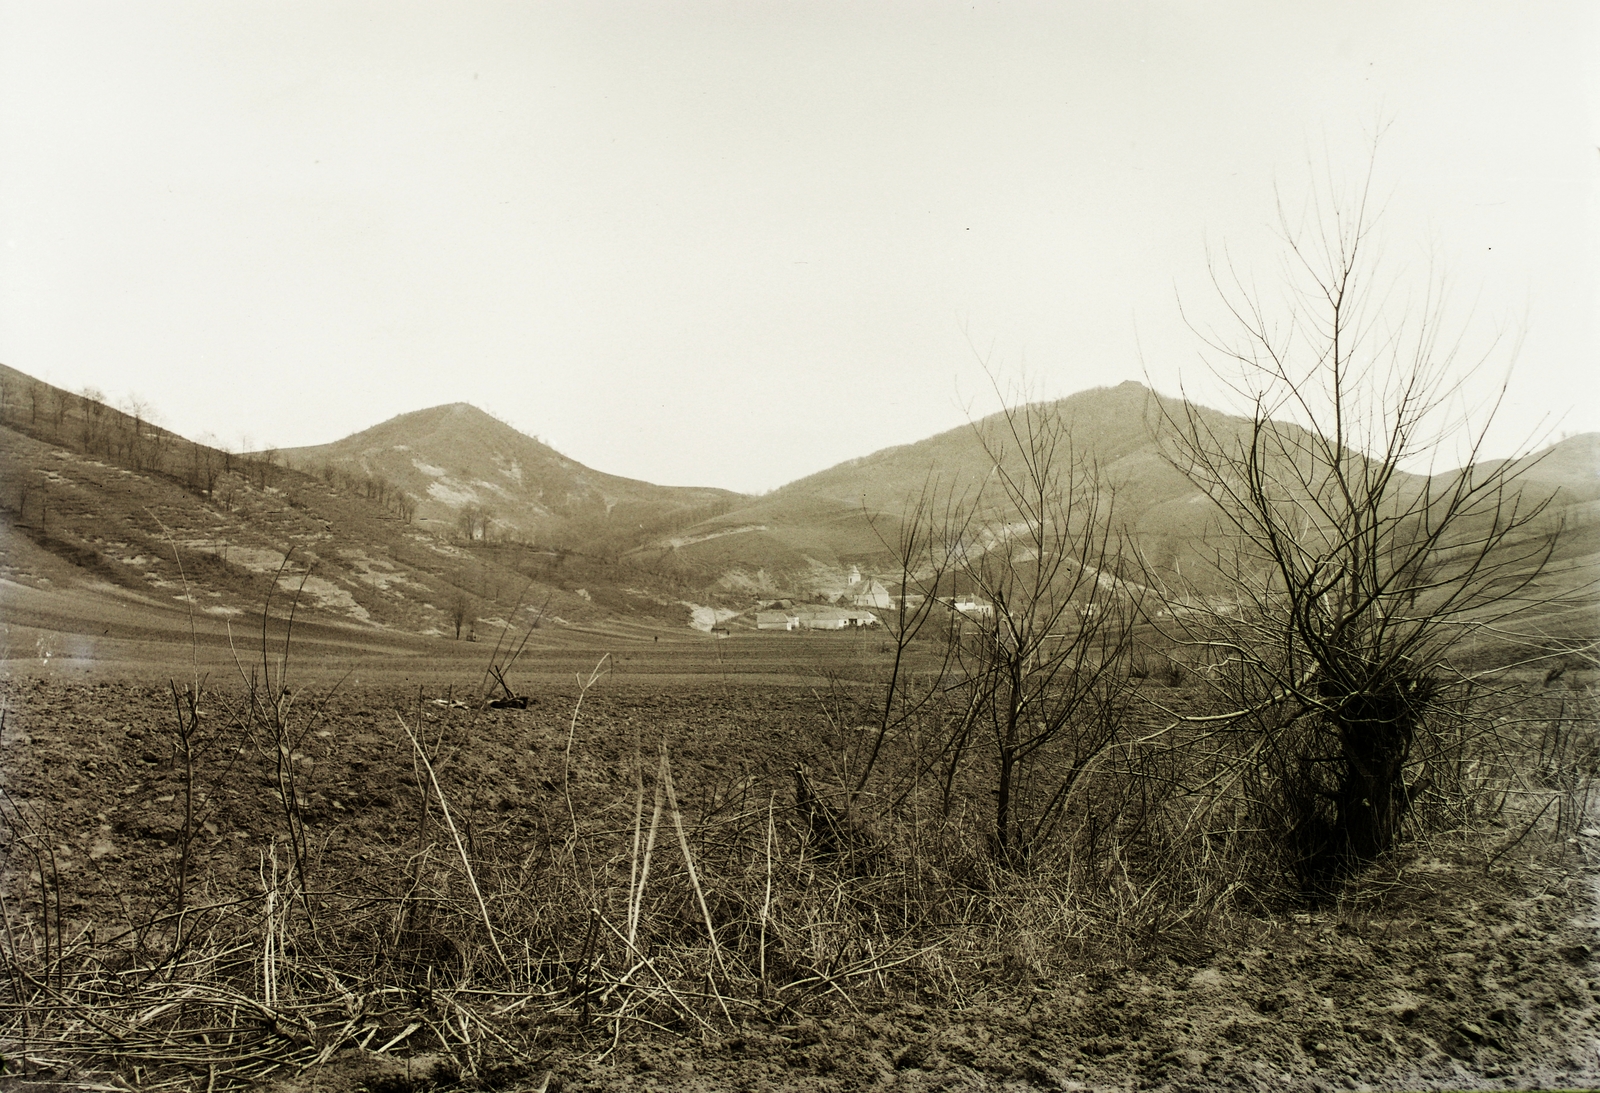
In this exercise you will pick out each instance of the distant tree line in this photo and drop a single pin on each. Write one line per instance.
(85, 422)
(125, 436)
(374, 487)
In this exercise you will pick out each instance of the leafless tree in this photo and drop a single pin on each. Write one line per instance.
(203, 469)
(265, 464)
(1043, 644)
(472, 521)
(1349, 570)
(460, 608)
(60, 403)
(92, 405)
(137, 412)
(1018, 576)
(911, 696)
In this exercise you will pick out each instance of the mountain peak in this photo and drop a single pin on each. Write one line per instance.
(456, 457)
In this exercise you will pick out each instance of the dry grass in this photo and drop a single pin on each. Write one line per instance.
(643, 912)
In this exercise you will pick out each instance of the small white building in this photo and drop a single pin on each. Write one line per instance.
(777, 620)
(836, 618)
(869, 593)
(824, 622)
(971, 608)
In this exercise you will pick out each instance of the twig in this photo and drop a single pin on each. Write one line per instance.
(466, 862)
(694, 879)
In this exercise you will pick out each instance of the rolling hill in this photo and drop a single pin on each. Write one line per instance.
(457, 460)
(806, 536)
(99, 507)
(448, 515)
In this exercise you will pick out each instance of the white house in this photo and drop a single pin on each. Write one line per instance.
(869, 593)
(836, 618)
(824, 622)
(971, 608)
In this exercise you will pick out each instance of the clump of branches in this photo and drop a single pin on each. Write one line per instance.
(1012, 640)
(494, 938)
(1349, 564)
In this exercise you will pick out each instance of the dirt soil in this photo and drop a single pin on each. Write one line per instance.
(1434, 972)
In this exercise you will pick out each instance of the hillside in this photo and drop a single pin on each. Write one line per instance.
(808, 534)
(471, 473)
(448, 515)
(107, 519)
(1111, 427)
(804, 537)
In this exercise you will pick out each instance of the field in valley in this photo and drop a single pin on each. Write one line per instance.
(360, 877)
(306, 852)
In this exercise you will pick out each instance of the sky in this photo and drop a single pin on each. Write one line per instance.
(731, 244)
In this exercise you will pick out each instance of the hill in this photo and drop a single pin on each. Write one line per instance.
(111, 525)
(448, 515)
(472, 474)
(805, 537)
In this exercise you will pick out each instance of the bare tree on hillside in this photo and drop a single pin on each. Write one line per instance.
(472, 521)
(203, 469)
(1348, 578)
(460, 609)
(60, 403)
(265, 463)
(92, 402)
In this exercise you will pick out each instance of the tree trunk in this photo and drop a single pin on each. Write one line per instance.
(1375, 742)
(1002, 816)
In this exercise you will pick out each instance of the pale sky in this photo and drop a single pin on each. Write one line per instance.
(731, 244)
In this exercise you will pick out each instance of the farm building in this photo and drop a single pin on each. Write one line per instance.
(777, 620)
(869, 593)
(824, 622)
(836, 618)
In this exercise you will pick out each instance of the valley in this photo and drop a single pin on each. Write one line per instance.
(430, 758)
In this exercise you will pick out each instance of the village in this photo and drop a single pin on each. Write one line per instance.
(850, 608)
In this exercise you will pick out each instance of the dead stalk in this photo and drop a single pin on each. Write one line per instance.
(694, 880)
(466, 861)
(566, 756)
(766, 900)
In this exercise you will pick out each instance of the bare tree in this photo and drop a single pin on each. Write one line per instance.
(460, 608)
(910, 696)
(1350, 570)
(203, 469)
(1019, 576)
(472, 521)
(1045, 626)
(60, 403)
(138, 412)
(265, 463)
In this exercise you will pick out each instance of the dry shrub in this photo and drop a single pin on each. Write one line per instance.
(695, 903)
